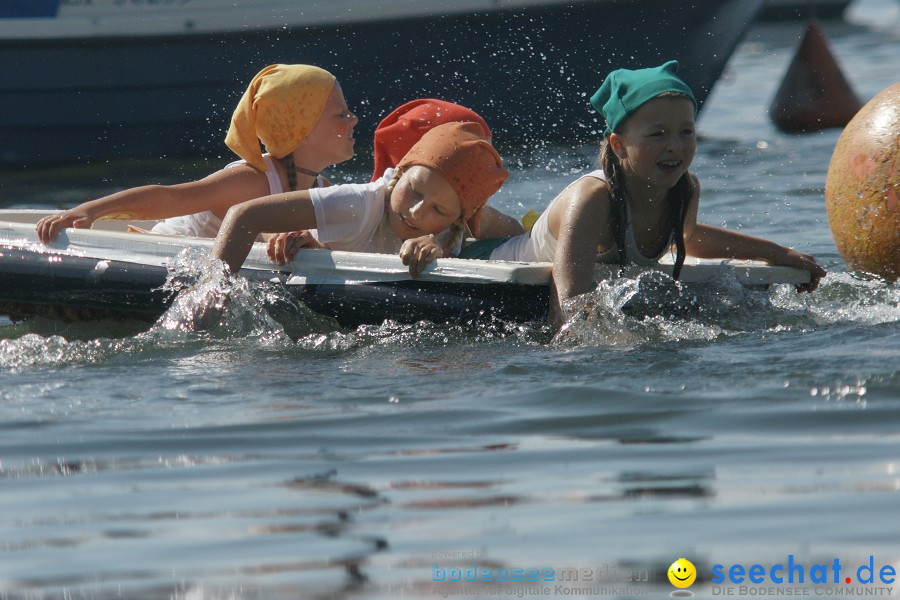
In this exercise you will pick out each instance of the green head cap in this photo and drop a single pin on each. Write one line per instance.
(624, 91)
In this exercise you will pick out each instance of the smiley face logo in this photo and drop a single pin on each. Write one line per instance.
(682, 573)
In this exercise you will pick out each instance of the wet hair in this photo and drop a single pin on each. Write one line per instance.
(288, 162)
(678, 199)
(457, 235)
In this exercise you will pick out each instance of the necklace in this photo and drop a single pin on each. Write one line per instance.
(303, 171)
(288, 163)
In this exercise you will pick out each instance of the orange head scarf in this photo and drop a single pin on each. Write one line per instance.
(462, 155)
(280, 107)
(398, 131)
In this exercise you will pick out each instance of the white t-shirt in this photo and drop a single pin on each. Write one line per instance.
(352, 217)
(539, 244)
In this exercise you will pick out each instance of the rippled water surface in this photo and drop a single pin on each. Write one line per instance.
(723, 425)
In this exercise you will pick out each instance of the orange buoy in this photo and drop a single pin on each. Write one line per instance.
(862, 189)
(814, 93)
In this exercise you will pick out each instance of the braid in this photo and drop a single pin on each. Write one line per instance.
(612, 170)
(394, 179)
(679, 198)
(288, 163)
(458, 236)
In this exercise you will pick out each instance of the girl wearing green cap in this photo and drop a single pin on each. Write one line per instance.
(643, 200)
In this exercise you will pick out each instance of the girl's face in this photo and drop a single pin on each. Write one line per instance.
(331, 139)
(657, 143)
(422, 202)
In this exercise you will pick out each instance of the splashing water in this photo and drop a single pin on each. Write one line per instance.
(638, 309)
(845, 298)
(210, 304)
(626, 312)
(211, 300)
(214, 302)
(33, 350)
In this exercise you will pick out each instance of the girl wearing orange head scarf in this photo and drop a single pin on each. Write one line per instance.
(395, 136)
(299, 115)
(443, 182)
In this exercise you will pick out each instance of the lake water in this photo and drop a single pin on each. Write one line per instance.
(744, 428)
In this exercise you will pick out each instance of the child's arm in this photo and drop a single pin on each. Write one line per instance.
(495, 223)
(706, 241)
(283, 246)
(274, 214)
(216, 192)
(583, 222)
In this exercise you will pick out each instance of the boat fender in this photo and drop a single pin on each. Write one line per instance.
(862, 188)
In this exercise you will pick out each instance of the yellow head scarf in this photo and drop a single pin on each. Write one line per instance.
(279, 108)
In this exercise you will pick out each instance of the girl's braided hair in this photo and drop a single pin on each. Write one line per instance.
(288, 162)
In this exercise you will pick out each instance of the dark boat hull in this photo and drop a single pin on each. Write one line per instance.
(529, 71)
(72, 288)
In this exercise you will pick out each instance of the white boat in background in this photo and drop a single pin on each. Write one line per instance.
(107, 272)
(802, 10)
(83, 80)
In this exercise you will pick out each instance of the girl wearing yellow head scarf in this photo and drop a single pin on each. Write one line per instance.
(297, 112)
